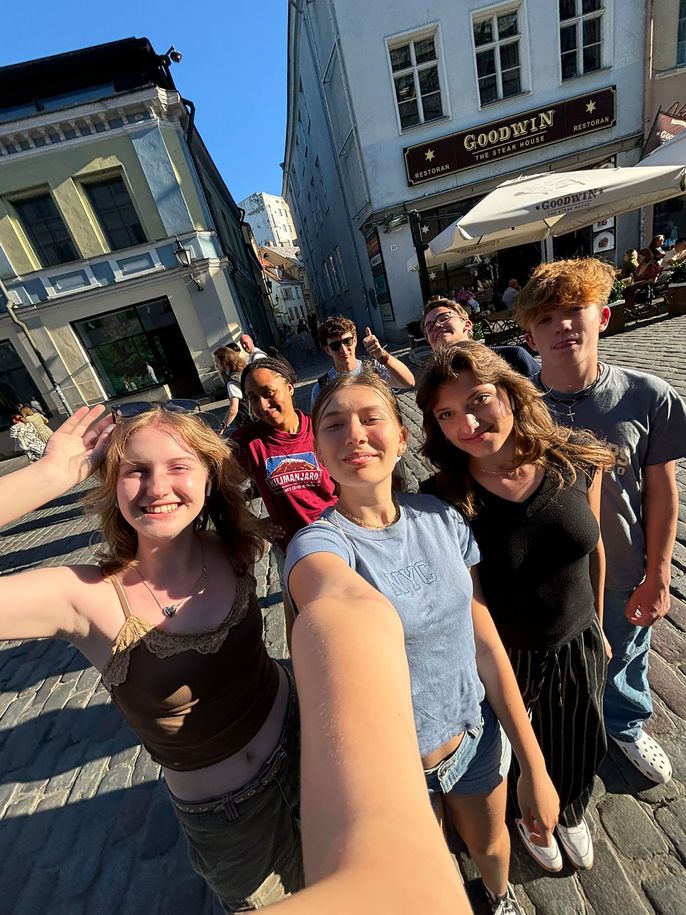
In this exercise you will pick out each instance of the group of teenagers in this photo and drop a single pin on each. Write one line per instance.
(433, 635)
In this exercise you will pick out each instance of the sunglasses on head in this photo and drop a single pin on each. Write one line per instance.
(136, 407)
(335, 345)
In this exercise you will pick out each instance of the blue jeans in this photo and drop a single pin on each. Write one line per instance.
(627, 695)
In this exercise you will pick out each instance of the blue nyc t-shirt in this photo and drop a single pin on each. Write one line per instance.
(420, 564)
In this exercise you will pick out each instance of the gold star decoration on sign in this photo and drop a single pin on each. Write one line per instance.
(590, 106)
(429, 154)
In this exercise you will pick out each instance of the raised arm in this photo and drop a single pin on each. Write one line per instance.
(70, 456)
(42, 602)
(400, 375)
(538, 800)
(371, 841)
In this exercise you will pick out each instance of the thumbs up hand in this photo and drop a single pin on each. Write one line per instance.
(373, 347)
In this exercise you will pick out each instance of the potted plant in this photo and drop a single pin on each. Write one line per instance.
(675, 295)
(616, 303)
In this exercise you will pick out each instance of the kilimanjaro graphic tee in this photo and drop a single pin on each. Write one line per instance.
(293, 484)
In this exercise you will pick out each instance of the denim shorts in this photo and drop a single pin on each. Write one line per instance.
(246, 844)
(478, 765)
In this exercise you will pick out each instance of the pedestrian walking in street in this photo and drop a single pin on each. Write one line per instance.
(338, 338)
(531, 491)
(230, 365)
(563, 308)
(248, 346)
(170, 619)
(277, 452)
(446, 322)
(419, 553)
(38, 421)
(26, 437)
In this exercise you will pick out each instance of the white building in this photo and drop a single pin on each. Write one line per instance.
(394, 107)
(270, 219)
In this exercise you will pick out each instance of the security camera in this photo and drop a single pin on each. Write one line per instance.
(175, 56)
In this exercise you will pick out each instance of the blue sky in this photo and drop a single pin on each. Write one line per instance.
(233, 67)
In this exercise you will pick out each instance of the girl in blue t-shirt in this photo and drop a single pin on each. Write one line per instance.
(377, 546)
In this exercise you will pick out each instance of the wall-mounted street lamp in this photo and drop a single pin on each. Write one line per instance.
(185, 258)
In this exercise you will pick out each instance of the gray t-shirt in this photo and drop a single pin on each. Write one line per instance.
(421, 565)
(643, 420)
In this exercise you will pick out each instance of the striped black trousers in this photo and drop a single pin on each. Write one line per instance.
(563, 691)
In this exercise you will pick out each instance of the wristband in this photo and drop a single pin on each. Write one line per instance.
(383, 359)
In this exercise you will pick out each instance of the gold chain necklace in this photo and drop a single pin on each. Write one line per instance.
(363, 523)
(512, 474)
(170, 609)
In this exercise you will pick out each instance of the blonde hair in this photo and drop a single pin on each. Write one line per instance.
(537, 439)
(560, 284)
(225, 505)
(229, 359)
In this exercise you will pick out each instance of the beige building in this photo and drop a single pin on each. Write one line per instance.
(123, 258)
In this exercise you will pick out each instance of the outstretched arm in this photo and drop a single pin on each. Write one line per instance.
(69, 458)
(370, 838)
(538, 801)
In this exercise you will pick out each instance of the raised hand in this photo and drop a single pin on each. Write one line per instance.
(76, 447)
(372, 345)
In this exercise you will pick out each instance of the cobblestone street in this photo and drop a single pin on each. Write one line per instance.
(85, 826)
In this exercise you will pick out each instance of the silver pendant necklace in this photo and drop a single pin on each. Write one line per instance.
(169, 610)
(579, 395)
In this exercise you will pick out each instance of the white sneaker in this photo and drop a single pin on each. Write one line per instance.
(548, 856)
(577, 843)
(503, 905)
(648, 757)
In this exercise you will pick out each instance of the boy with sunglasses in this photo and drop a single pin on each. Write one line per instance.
(338, 338)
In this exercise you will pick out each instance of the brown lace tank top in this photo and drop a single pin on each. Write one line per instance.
(193, 700)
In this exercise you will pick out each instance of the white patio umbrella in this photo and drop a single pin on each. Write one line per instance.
(561, 202)
(451, 246)
(673, 152)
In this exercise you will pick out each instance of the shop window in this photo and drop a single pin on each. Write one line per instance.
(416, 79)
(497, 48)
(581, 37)
(47, 232)
(115, 212)
(124, 346)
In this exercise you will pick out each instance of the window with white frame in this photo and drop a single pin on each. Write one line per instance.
(416, 80)
(329, 284)
(681, 35)
(497, 47)
(581, 37)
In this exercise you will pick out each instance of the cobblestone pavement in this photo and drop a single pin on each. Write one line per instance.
(84, 823)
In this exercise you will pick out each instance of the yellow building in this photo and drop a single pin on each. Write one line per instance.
(123, 261)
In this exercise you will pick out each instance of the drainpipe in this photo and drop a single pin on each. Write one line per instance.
(37, 353)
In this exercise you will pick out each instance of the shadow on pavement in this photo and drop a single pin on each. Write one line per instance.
(19, 560)
(40, 523)
(34, 660)
(120, 851)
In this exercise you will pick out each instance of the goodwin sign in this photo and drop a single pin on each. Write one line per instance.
(511, 136)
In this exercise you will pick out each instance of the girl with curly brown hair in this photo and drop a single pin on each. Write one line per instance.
(531, 490)
(170, 619)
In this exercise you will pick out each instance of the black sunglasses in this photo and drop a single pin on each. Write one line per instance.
(335, 345)
(136, 407)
